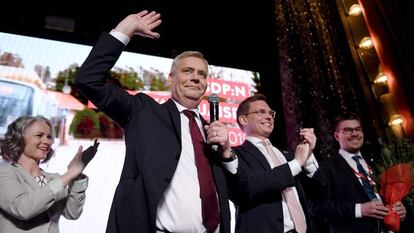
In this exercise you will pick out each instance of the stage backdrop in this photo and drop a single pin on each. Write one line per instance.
(36, 78)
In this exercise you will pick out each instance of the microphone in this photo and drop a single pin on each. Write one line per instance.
(214, 100)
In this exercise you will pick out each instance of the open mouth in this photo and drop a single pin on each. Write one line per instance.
(267, 124)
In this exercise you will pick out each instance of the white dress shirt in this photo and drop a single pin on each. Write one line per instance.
(180, 208)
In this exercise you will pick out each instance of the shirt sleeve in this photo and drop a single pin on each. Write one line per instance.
(120, 36)
(311, 166)
(76, 198)
(294, 167)
(232, 166)
(358, 213)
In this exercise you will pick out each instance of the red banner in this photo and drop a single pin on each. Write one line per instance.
(236, 136)
(228, 89)
(227, 111)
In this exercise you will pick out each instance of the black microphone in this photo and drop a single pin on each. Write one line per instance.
(214, 100)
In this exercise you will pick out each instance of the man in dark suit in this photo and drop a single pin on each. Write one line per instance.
(343, 200)
(159, 188)
(266, 187)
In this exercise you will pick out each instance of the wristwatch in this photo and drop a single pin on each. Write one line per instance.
(231, 158)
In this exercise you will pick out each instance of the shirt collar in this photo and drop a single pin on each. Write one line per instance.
(346, 154)
(256, 141)
(182, 108)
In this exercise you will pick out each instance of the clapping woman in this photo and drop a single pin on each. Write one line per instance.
(31, 199)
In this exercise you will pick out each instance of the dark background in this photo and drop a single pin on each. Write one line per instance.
(236, 34)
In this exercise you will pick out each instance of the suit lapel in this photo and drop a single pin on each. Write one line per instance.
(251, 149)
(174, 116)
(203, 122)
(349, 173)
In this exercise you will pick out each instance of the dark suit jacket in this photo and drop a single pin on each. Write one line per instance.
(256, 191)
(339, 193)
(153, 144)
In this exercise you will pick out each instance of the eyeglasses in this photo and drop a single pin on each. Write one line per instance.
(262, 112)
(350, 130)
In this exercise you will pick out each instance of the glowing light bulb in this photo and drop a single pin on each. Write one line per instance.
(396, 120)
(381, 78)
(355, 10)
(366, 43)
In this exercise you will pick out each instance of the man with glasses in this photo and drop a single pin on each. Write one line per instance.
(266, 187)
(348, 200)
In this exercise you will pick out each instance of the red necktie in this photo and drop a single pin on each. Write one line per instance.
(209, 204)
(295, 209)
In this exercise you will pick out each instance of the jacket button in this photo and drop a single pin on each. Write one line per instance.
(168, 179)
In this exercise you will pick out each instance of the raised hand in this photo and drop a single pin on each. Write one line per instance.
(79, 162)
(308, 136)
(141, 24)
(76, 166)
(302, 153)
(90, 152)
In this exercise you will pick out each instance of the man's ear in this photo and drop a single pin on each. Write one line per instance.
(336, 135)
(243, 120)
(170, 79)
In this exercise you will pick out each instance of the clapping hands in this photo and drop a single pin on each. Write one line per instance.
(306, 146)
(89, 153)
(79, 162)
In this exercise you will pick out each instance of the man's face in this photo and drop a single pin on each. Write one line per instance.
(189, 81)
(257, 122)
(350, 136)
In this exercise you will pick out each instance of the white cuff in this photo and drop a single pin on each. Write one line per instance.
(294, 167)
(79, 186)
(311, 166)
(59, 191)
(120, 36)
(358, 213)
(232, 166)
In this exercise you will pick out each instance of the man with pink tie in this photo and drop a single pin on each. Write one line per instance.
(266, 187)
